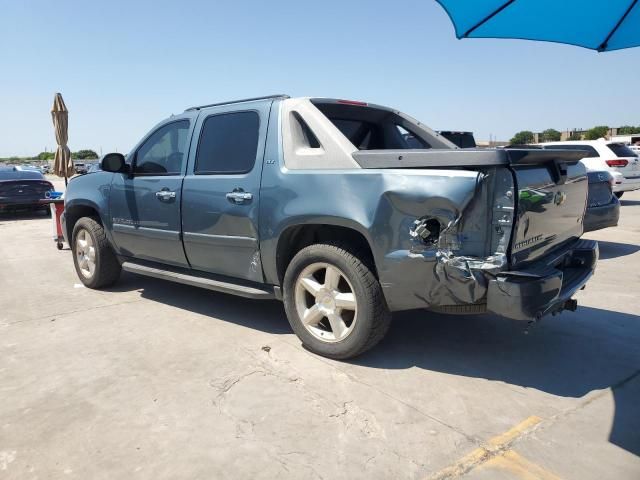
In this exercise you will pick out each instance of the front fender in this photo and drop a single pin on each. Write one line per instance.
(88, 195)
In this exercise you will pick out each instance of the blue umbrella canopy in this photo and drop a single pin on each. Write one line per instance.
(596, 24)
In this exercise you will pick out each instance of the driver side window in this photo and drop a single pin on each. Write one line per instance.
(164, 151)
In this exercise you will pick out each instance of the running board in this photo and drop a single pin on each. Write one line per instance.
(209, 283)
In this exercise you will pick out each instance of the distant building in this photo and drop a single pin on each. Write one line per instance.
(491, 143)
(576, 133)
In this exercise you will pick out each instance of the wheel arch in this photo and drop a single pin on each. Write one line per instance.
(297, 236)
(75, 211)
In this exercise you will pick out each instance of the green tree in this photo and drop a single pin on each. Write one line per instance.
(551, 135)
(597, 132)
(628, 130)
(522, 138)
(84, 155)
(45, 156)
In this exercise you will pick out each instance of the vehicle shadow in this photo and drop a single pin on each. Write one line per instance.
(266, 315)
(614, 249)
(19, 215)
(568, 356)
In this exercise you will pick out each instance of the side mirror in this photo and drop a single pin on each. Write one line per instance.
(114, 162)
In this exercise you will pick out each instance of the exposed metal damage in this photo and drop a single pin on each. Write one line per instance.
(449, 240)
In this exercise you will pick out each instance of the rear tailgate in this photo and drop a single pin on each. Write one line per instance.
(23, 191)
(552, 189)
(629, 165)
(552, 195)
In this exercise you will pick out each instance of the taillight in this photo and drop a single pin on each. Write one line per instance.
(618, 162)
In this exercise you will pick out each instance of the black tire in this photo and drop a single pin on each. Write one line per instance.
(373, 317)
(618, 194)
(107, 268)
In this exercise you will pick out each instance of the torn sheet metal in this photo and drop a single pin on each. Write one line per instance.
(460, 272)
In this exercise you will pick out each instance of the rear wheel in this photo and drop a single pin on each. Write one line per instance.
(95, 262)
(333, 301)
(618, 194)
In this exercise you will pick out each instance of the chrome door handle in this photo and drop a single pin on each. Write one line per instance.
(165, 195)
(239, 197)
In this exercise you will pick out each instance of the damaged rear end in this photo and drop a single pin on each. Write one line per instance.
(508, 244)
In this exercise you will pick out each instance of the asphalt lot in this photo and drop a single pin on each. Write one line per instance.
(156, 380)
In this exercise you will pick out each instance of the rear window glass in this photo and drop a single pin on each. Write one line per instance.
(228, 143)
(621, 150)
(411, 140)
(375, 128)
(588, 148)
(11, 174)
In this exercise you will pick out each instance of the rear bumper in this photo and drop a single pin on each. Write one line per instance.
(627, 185)
(543, 288)
(20, 202)
(603, 216)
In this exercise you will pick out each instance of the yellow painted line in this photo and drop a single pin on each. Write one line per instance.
(514, 433)
(494, 447)
(518, 466)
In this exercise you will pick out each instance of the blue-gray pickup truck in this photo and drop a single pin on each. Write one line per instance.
(346, 211)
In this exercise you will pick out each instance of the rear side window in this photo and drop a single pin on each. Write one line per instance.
(593, 153)
(411, 140)
(228, 143)
(621, 150)
(363, 135)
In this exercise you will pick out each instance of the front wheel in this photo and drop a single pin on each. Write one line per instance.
(95, 262)
(334, 302)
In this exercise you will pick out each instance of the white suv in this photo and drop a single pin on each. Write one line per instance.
(615, 157)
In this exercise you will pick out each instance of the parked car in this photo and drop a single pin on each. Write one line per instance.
(27, 168)
(324, 204)
(80, 167)
(603, 207)
(93, 167)
(22, 189)
(607, 155)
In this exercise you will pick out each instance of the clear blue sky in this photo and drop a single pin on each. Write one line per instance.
(123, 66)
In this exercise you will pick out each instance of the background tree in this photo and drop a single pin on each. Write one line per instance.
(551, 135)
(597, 132)
(84, 155)
(45, 156)
(628, 130)
(522, 138)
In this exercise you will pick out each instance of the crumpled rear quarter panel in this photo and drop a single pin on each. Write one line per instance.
(384, 205)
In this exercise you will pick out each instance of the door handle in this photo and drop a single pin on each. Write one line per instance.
(165, 195)
(239, 196)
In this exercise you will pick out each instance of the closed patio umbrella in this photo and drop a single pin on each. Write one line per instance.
(62, 165)
(601, 25)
